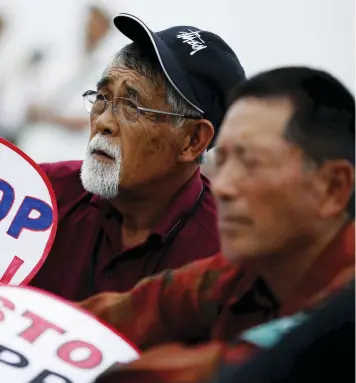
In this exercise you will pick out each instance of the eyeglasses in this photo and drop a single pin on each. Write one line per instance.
(124, 109)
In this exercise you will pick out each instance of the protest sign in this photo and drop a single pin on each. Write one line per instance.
(46, 339)
(28, 216)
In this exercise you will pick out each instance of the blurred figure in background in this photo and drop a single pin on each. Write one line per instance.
(7, 128)
(57, 126)
(16, 94)
(22, 60)
(2, 24)
(2, 28)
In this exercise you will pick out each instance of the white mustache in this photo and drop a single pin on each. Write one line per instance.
(103, 144)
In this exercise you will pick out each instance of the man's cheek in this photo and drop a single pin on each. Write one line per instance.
(155, 141)
(260, 204)
(133, 139)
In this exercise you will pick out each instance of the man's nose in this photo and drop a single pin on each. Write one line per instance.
(106, 123)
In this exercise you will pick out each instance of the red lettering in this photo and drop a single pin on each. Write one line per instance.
(11, 270)
(91, 361)
(38, 327)
(7, 304)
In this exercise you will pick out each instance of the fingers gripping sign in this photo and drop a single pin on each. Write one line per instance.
(28, 216)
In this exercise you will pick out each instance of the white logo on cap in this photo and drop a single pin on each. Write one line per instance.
(192, 38)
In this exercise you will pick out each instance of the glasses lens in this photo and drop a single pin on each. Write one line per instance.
(126, 110)
(94, 103)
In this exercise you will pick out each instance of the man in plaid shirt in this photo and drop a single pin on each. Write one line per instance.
(284, 184)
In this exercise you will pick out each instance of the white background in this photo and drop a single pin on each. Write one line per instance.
(263, 33)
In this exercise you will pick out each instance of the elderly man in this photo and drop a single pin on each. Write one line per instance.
(284, 182)
(137, 204)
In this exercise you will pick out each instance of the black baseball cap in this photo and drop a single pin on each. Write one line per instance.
(199, 64)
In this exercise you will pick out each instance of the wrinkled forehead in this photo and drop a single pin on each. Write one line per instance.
(256, 121)
(120, 79)
(138, 67)
(115, 73)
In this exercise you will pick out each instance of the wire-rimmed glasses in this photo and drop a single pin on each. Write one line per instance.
(124, 109)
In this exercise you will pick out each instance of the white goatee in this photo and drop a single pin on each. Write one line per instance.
(99, 177)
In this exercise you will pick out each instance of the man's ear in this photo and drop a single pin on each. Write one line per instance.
(339, 183)
(199, 134)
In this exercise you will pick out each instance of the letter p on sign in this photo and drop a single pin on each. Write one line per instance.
(28, 216)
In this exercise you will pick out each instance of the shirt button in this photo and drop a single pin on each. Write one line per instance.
(109, 273)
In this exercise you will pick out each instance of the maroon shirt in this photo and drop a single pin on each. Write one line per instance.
(87, 256)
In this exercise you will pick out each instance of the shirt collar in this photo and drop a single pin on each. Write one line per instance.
(332, 270)
(182, 204)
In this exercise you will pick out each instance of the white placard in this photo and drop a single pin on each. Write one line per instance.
(28, 216)
(46, 339)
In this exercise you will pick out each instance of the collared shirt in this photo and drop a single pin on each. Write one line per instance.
(87, 255)
(180, 305)
(212, 299)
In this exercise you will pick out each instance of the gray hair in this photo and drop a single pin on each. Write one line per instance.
(131, 56)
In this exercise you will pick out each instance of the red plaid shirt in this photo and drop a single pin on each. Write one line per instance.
(210, 300)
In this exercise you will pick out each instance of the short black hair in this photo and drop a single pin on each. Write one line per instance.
(323, 122)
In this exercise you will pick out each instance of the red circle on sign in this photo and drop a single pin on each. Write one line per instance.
(93, 360)
(54, 208)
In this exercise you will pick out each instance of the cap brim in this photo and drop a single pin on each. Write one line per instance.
(137, 31)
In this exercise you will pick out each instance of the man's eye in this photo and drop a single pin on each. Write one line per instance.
(100, 97)
(131, 94)
(251, 163)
